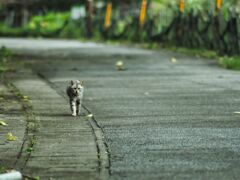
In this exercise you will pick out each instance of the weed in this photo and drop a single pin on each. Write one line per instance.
(2, 169)
(230, 62)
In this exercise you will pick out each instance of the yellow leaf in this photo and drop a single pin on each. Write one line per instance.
(120, 65)
(25, 97)
(2, 123)
(11, 137)
(174, 60)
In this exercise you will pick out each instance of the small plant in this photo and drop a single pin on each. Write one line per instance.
(230, 62)
(2, 170)
(5, 53)
(29, 150)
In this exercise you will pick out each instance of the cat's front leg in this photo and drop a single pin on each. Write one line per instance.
(73, 107)
(79, 107)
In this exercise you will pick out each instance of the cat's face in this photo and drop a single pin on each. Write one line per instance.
(77, 87)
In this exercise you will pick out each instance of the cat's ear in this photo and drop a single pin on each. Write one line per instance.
(71, 82)
(81, 82)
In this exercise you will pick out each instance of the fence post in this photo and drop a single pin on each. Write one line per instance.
(107, 22)
(142, 13)
(182, 6)
(218, 4)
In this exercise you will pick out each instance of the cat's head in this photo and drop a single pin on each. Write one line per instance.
(77, 87)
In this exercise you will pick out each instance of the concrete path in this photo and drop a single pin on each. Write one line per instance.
(160, 119)
(54, 145)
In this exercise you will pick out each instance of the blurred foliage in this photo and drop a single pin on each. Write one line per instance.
(72, 30)
(164, 24)
(196, 52)
(5, 30)
(5, 55)
(230, 62)
(48, 24)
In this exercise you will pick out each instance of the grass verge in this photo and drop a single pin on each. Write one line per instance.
(5, 55)
(230, 62)
(227, 62)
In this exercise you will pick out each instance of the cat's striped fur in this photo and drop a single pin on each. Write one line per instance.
(75, 94)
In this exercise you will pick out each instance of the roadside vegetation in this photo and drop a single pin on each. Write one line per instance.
(213, 31)
(230, 62)
(227, 62)
(5, 55)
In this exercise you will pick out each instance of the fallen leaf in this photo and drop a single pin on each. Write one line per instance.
(120, 65)
(2, 123)
(25, 98)
(174, 60)
(11, 137)
(89, 115)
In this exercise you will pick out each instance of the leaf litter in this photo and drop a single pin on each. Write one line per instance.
(11, 137)
(2, 123)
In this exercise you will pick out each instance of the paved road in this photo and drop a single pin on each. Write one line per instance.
(159, 119)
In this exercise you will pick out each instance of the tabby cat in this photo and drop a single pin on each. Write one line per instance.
(75, 94)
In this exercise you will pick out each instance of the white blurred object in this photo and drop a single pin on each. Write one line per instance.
(237, 112)
(174, 60)
(12, 175)
(99, 4)
(78, 12)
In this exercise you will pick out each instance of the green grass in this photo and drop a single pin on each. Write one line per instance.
(2, 170)
(3, 68)
(5, 55)
(227, 62)
(196, 52)
(230, 62)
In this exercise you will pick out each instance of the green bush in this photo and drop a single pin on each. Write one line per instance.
(72, 31)
(42, 25)
(9, 31)
(47, 25)
(230, 62)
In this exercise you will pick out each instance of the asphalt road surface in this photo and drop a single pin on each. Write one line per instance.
(161, 119)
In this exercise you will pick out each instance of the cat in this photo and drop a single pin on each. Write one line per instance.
(75, 94)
